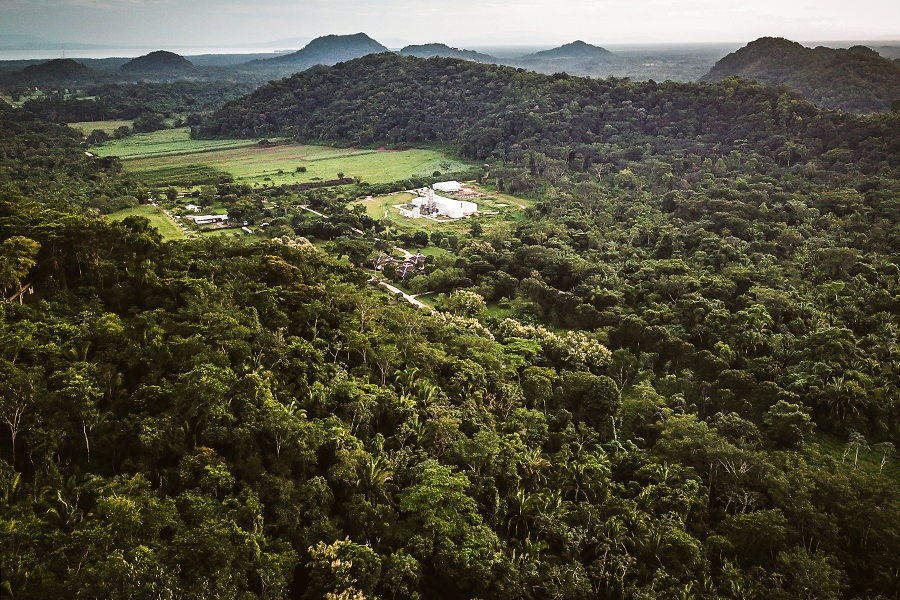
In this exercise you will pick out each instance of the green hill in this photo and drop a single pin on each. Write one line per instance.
(576, 49)
(60, 69)
(445, 51)
(854, 80)
(160, 62)
(329, 50)
(393, 99)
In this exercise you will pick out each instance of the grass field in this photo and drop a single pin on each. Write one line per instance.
(87, 127)
(164, 143)
(163, 224)
(169, 155)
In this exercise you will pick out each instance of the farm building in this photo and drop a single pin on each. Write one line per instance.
(209, 219)
(448, 187)
(432, 204)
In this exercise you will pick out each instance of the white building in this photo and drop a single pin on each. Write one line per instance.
(208, 219)
(434, 204)
(448, 187)
(415, 213)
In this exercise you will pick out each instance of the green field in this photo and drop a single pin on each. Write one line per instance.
(165, 157)
(108, 127)
(163, 224)
(165, 143)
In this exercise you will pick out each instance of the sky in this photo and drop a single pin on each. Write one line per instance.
(463, 23)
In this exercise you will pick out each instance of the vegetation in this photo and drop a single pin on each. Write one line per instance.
(166, 153)
(158, 220)
(855, 80)
(675, 379)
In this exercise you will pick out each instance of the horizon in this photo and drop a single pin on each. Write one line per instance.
(234, 24)
(509, 50)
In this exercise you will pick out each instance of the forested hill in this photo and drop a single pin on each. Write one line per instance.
(328, 50)
(576, 49)
(677, 377)
(443, 50)
(159, 62)
(489, 110)
(856, 80)
(60, 69)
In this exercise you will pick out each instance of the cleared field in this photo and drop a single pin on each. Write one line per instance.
(168, 142)
(87, 127)
(170, 154)
(163, 224)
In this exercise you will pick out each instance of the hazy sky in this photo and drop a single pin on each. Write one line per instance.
(226, 23)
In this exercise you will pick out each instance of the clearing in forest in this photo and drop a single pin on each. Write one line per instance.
(163, 157)
(164, 224)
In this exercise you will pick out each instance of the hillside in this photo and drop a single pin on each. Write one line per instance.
(445, 51)
(504, 111)
(60, 69)
(574, 50)
(854, 80)
(329, 50)
(672, 374)
(160, 62)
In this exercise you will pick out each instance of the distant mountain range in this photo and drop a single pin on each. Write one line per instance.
(856, 79)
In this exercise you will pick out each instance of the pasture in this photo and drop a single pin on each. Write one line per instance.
(163, 224)
(171, 157)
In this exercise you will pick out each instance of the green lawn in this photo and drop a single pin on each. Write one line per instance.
(164, 154)
(163, 224)
(109, 127)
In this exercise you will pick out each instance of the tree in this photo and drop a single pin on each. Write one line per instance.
(787, 425)
(17, 256)
(18, 390)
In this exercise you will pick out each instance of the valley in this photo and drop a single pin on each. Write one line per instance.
(259, 343)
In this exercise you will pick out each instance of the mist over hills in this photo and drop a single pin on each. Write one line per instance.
(856, 79)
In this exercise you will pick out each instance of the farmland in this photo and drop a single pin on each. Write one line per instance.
(170, 157)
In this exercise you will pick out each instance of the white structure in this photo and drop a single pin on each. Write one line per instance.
(448, 187)
(455, 209)
(209, 219)
(192, 207)
(415, 213)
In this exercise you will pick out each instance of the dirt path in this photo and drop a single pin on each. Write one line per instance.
(411, 299)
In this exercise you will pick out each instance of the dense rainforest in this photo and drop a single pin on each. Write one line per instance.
(692, 392)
